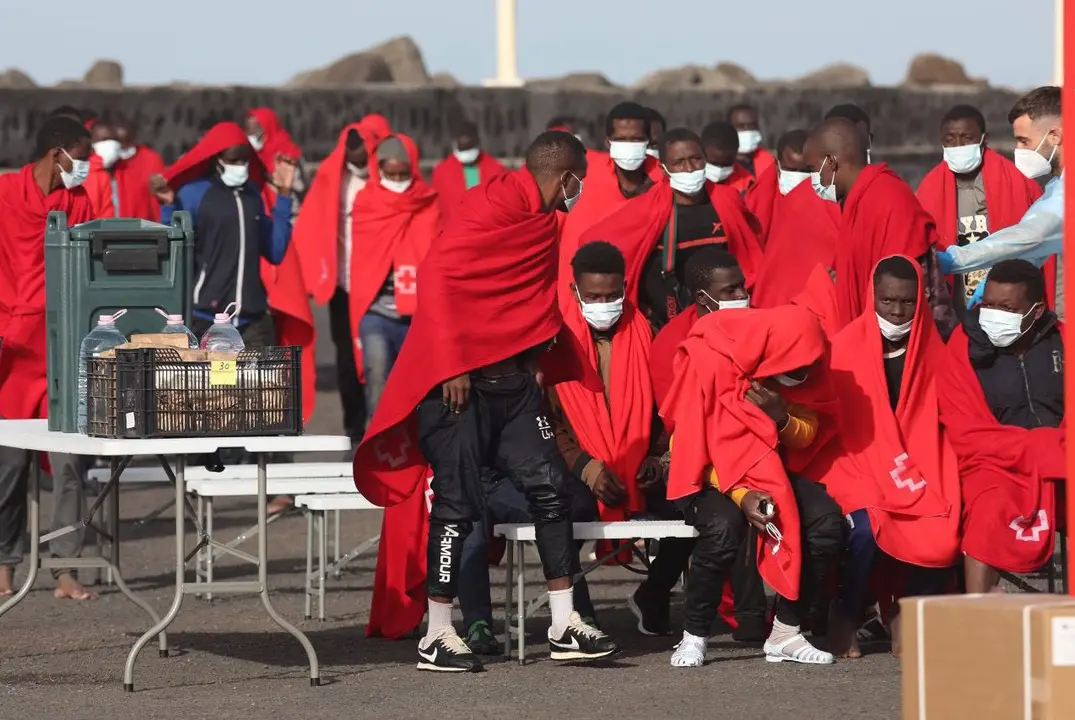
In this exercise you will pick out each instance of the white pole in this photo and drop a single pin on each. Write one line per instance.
(1058, 45)
(507, 56)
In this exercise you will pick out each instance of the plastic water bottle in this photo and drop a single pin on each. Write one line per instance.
(222, 336)
(174, 326)
(103, 337)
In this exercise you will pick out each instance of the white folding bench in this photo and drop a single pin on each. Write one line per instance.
(517, 536)
(317, 508)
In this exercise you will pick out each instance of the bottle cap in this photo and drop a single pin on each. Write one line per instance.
(175, 319)
(222, 318)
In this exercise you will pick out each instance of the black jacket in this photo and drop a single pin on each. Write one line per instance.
(1026, 392)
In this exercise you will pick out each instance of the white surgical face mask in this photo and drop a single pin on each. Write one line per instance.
(601, 315)
(234, 175)
(718, 173)
(788, 180)
(397, 186)
(569, 202)
(789, 381)
(628, 155)
(743, 304)
(128, 152)
(749, 140)
(1003, 328)
(357, 171)
(825, 192)
(653, 153)
(891, 331)
(108, 151)
(258, 141)
(963, 159)
(1031, 162)
(80, 170)
(688, 183)
(467, 157)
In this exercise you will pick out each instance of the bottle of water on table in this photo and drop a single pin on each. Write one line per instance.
(174, 326)
(103, 337)
(222, 336)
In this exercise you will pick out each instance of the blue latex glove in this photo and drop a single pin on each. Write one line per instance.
(945, 261)
(976, 298)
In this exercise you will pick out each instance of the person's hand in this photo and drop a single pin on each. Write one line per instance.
(945, 262)
(283, 174)
(457, 393)
(769, 402)
(751, 507)
(608, 489)
(650, 473)
(160, 190)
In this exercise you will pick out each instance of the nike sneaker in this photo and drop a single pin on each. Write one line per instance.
(446, 652)
(580, 641)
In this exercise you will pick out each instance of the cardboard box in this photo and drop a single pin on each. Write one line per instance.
(988, 657)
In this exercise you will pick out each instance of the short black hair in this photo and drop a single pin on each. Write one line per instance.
(964, 112)
(851, 112)
(655, 118)
(561, 121)
(793, 139)
(1038, 103)
(721, 135)
(678, 135)
(895, 267)
(67, 111)
(59, 131)
(1020, 272)
(354, 140)
(738, 107)
(466, 127)
(627, 111)
(598, 258)
(553, 152)
(701, 264)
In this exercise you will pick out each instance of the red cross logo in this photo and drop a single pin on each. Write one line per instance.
(406, 279)
(904, 483)
(391, 448)
(1030, 530)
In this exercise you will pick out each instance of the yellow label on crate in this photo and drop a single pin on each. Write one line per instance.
(223, 373)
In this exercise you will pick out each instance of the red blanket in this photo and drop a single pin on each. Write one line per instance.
(881, 217)
(762, 200)
(763, 160)
(276, 140)
(450, 184)
(896, 465)
(132, 177)
(716, 425)
(1009, 510)
(662, 355)
(616, 433)
(638, 225)
(317, 227)
(195, 164)
(601, 198)
(390, 233)
(23, 212)
(802, 235)
(491, 277)
(740, 180)
(399, 586)
(99, 190)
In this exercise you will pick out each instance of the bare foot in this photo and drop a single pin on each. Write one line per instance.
(279, 504)
(67, 588)
(894, 626)
(7, 577)
(843, 638)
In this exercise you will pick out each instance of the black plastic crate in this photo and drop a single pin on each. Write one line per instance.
(152, 393)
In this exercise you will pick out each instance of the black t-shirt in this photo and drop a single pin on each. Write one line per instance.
(696, 226)
(894, 375)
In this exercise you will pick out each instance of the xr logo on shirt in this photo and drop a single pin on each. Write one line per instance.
(905, 483)
(1030, 530)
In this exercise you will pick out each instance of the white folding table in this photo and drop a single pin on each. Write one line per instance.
(34, 435)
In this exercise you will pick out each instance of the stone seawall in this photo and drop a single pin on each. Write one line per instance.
(904, 121)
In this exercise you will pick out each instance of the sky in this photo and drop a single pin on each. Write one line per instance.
(1009, 42)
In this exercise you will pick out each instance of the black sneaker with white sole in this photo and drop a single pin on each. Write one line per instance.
(652, 613)
(580, 641)
(447, 653)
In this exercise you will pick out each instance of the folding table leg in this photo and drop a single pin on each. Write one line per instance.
(508, 587)
(308, 611)
(208, 547)
(520, 548)
(336, 544)
(322, 552)
(200, 564)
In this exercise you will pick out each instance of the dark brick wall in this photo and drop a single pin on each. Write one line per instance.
(509, 118)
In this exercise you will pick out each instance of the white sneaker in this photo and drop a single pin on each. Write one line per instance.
(796, 649)
(690, 652)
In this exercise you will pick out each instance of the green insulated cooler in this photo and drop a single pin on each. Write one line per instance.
(97, 268)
